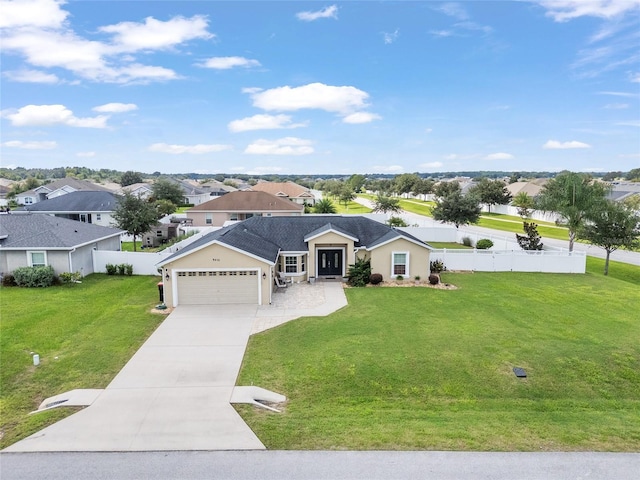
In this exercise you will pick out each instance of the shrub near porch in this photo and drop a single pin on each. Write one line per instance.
(432, 369)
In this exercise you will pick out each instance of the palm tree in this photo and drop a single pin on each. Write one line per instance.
(324, 206)
(525, 204)
(574, 196)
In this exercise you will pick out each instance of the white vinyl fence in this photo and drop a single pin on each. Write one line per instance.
(512, 260)
(143, 263)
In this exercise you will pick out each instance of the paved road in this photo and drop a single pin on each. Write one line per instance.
(619, 255)
(277, 465)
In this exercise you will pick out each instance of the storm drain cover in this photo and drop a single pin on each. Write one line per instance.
(520, 373)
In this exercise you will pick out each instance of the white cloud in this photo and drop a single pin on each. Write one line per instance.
(616, 106)
(390, 37)
(453, 9)
(263, 122)
(32, 13)
(388, 168)
(432, 165)
(157, 35)
(565, 10)
(264, 170)
(327, 12)
(631, 123)
(115, 107)
(30, 145)
(556, 145)
(428, 130)
(49, 115)
(191, 149)
(31, 76)
(620, 94)
(343, 100)
(361, 117)
(225, 63)
(635, 77)
(442, 33)
(282, 146)
(86, 154)
(499, 156)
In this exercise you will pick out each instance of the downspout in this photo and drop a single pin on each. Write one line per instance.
(71, 260)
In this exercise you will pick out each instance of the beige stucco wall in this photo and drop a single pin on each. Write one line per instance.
(381, 259)
(218, 257)
(330, 240)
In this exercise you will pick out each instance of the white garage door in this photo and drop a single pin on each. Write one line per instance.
(217, 288)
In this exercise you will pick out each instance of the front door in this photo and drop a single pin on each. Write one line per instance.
(329, 263)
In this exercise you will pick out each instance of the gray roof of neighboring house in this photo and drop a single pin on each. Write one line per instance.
(77, 202)
(80, 185)
(48, 232)
(265, 237)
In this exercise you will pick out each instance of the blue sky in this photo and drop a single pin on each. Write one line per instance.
(321, 87)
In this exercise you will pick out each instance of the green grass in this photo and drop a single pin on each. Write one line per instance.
(128, 247)
(618, 270)
(351, 207)
(93, 329)
(418, 368)
(450, 245)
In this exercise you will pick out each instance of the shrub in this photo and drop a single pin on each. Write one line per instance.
(120, 268)
(375, 278)
(128, 269)
(466, 241)
(34, 276)
(434, 279)
(437, 266)
(399, 278)
(70, 277)
(417, 278)
(111, 269)
(8, 280)
(359, 273)
(484, 244)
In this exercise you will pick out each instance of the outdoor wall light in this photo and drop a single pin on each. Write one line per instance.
(167, 277)
(264, 275)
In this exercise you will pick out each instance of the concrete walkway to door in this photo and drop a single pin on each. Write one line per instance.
(174, 392)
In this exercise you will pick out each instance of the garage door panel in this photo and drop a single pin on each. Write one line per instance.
(217, 288)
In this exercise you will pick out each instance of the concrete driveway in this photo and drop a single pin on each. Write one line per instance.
(172, 395)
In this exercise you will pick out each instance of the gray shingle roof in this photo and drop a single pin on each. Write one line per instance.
(266, 236)
(46, 231)
(77, 202)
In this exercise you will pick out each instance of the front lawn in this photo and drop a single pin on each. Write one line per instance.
(419, 368)
(84, 334)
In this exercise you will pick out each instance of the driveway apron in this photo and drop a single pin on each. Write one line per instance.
(172, 395)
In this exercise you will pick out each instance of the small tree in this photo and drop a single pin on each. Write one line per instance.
(524, 203)
(491, 192)
(384, 204)
(444, 189)
(396, 222)
(134, 215)
(530, 241)
(168, 190)
(129, 178)
(346, 195)
(611, 227)
(164, 207)
(324, 206)
(457, 209)
(359, 273)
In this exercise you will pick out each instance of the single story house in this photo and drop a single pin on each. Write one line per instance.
(160, 234)
(43, 240)
(289, 190)
(240, 205)
(83, 206)
(239, 263)
(56, 188)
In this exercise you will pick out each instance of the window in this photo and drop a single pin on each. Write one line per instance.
(28, 200)
(233, 217)
(400, 264)
(208, 218)
(37, 259)
(291, 264)
(158, 233)
(98, 217)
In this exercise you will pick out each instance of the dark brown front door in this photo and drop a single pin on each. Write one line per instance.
(329, 263)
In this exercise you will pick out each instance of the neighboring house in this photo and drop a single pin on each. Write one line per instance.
(239, 263)
(530, 188)
(214, 187)
(4, 191)
(240, 205)
(43, 240)
(57, 188)
(86, 207)
(193, 195)
(160, 234)
(141, 190)
(620, 191)
(289, 190)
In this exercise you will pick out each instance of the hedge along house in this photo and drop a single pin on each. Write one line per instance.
(239, 263)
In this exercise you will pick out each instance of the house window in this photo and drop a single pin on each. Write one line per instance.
(158, 233)
(37, 259)
(98, 217)
(291, 264)
(28, 200)
(400, 263)
(302, 266)
(233, 217)
(208, 218)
